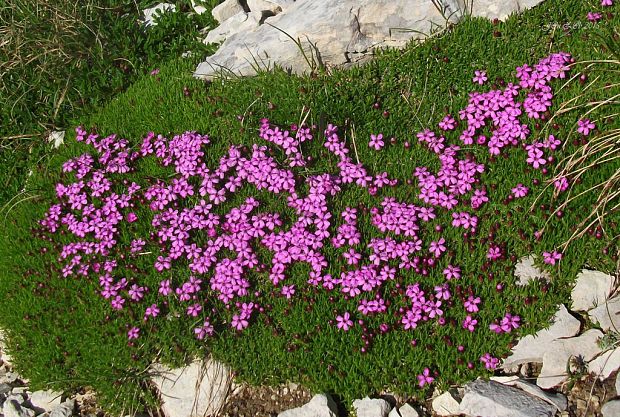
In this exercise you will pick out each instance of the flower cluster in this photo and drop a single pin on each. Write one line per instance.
(207, 254)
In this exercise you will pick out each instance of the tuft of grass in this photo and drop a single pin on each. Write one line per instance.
(60, 59)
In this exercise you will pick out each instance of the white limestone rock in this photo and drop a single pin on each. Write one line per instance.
(12, 408)
(198, 8)
(271, 6)
(607, 315)
(321, 405)
(532, 348)
(375, 407)
(560, 351)
(492, 399)
(526, 271)
(340, 32)
(241, 22)
(446, 405)
(592, 288)
(151, 13)
(43, 401)
(63, 410)
(394, 413)
(611, 408)
(408, 411)
(226, 10)
(196, 390)
(494, 9)
(558, 400)
(605, 364)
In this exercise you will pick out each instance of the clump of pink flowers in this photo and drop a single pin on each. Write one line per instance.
(210, 277)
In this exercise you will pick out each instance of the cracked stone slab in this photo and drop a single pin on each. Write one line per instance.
(532, 348)
(560, 351)
(591, 289)
(446, 405)
(492, 399)
(371, 407)
(196, 390)
(321, 405)
(605, 364)
(558, 400)
(607, 315)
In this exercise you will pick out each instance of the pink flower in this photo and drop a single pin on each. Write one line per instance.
(561, 184)
(489, 361)
(288, 291)
(469, 323)
(594, 16)
(480, 77)
(152, 311)
(376, 142)
(437, 248)
(520, 191)
(425, 378)
(133, 333)
(550, 258)
(494, 253)
(585, 126)
(155, 71)
(471, 304)
(131, 217)
(205, 330)
(344, 321)
(607, 3)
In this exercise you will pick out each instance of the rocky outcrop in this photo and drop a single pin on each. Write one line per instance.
(303, 34)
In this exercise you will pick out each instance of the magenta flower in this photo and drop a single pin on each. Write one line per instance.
(585, 126)
(133, 333)
(494, 253)
(376, 142)
(152, 311)
(471, 304)
(205, 330)
(344, 321)
(520, 191)
(489, 361)
(131, 217)
(155, 71)
(561, 184)
(452, 272)
(288, 291)
(480, 77)
(594, 16)
(437, 248)
(607, 3)
(425, 378)
(469, 323)
(551, 258)
(447, 123)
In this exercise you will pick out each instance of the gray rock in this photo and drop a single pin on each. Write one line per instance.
(43, 401)
(151, 12)
(198, 8)
(591, 289)
(607, 315)
(532, 348)
(241, 22)
(494, 9)
(560, 351)
(12, 408)
(196, 390)
(492, 399)
(335, 32)
(321, 405)
(226, 10)
(5, 388)
(557, 399)
(271, 6)
(605, 364)
(618, 384)
(611, 408)
(394, 413)
(408, 411)
(63, 410)
(375, 407)
(526, 271)
(446, 405)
